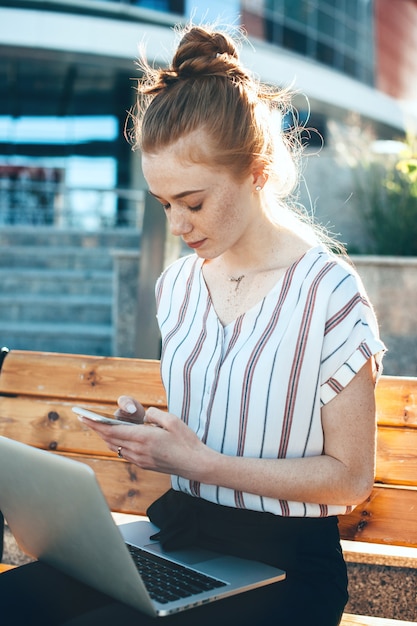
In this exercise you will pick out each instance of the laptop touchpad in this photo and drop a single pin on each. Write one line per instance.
(186, 555)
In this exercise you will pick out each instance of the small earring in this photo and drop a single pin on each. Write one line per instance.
(258, 188)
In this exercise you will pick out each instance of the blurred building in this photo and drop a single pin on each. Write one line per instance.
(370, 41)
(66, 84)
(396, 46)
(71, 189)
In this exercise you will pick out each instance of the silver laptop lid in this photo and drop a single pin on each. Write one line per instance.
(67, 533)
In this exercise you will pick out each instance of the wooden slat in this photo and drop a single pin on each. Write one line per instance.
(91, 378)
(98, 378)
(51, 425)
(397, 456)
(388, 516)
(396, 398)
(127, 488)
(48, 425)
(4, 567)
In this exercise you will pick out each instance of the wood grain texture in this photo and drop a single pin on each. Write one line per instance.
(74, 376)
(396, 456)
(126, 487)
(388, 516)
(396, 398)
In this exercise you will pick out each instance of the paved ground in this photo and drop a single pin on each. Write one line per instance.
(12, 553)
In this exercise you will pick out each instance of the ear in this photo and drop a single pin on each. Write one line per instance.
(259, 174)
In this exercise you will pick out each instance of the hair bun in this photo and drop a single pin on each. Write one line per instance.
(201, 52)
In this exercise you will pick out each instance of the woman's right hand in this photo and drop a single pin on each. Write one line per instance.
(130, 410)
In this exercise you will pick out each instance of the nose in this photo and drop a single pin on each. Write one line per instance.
(178, 220)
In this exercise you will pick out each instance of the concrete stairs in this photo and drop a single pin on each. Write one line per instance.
(56, 288)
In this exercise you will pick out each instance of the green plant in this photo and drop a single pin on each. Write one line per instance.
(386, 190)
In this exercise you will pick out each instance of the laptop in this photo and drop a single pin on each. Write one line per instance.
(58, 514)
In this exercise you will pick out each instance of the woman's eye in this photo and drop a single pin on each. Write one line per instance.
(166, 207)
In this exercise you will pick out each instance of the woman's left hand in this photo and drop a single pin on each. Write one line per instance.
(163, 443)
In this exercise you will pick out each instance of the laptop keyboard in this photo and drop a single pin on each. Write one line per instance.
(167, 581)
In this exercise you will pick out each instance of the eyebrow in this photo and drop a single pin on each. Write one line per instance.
(179, 195)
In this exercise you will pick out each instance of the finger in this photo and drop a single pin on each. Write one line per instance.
(108, 432)
(155, 417)
(127, 404)
(96, 426)
(129, 407)
(121, 451)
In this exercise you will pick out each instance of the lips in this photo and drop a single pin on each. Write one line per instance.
(195, 244)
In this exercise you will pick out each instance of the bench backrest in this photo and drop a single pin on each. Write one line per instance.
(389, 515)
(38, 389)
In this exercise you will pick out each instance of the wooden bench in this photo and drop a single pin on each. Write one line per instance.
(38, 389)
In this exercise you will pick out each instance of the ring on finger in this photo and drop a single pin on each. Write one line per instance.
(119, 452)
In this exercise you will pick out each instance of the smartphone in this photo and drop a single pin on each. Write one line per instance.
(96, 417)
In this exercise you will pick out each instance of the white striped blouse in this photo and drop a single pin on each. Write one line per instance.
(255, 387)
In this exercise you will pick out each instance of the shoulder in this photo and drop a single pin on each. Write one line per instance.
(330, 284)
(184, 265)
(321, 265)
(179, 272)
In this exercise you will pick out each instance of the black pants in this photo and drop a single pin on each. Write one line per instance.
(313, 594)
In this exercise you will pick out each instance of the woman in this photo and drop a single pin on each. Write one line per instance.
(270, 348)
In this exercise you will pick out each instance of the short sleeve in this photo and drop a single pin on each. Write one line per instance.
(351, 337)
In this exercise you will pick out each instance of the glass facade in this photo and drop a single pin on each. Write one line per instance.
(62, 117)
(63, 156)
(171, 6)
(338, 33)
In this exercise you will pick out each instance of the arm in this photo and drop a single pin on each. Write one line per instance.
(342, 475)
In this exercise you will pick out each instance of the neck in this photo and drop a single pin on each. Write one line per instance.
(257, 254)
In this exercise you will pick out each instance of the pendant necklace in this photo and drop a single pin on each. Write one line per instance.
(237, 280)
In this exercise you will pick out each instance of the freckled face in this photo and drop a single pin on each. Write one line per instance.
(206, 206)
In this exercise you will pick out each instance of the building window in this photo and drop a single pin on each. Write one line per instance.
(172, 6)
(294, 40)
(337, 33)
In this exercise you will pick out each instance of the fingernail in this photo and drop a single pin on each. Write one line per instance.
(130, 407)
